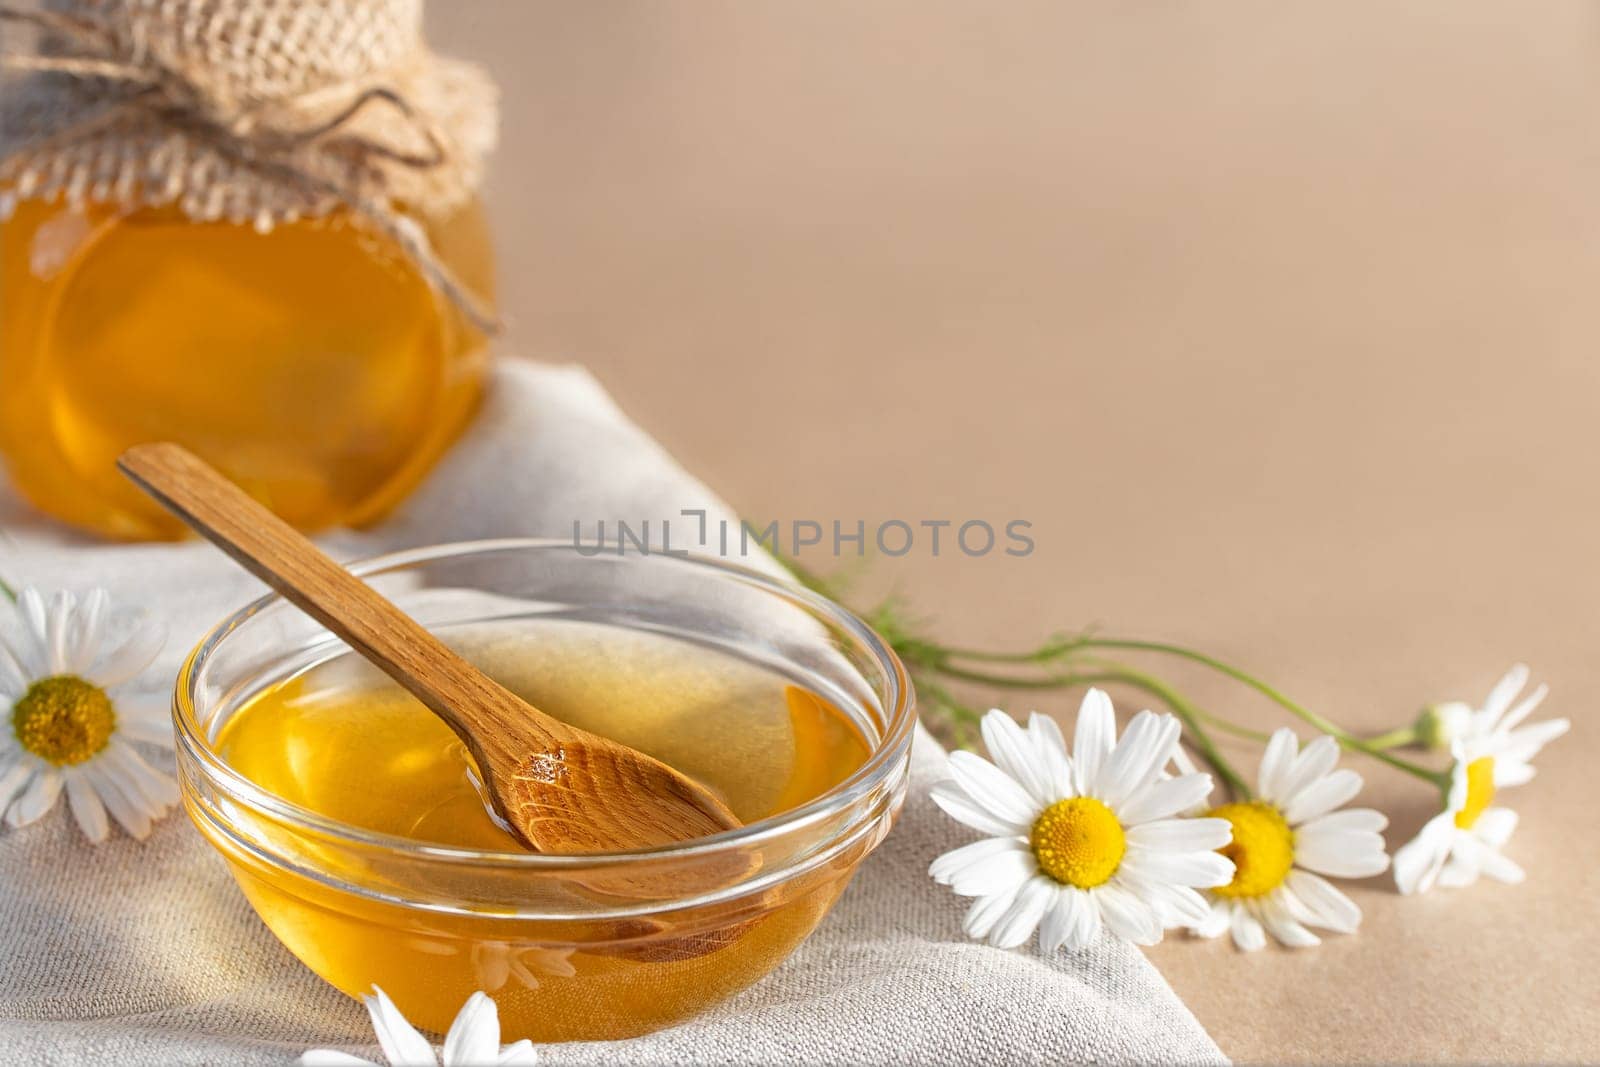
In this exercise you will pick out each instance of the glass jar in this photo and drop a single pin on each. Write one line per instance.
(430, 924)
(314, 364)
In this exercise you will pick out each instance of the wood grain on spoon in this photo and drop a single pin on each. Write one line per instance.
(561, 789)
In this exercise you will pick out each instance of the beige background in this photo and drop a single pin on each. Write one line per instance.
(1277, 320)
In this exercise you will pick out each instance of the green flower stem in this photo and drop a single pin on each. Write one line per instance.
(1405, 735)
(927, 657)
(1046, 652)
(1001, 681)
(1344, 737)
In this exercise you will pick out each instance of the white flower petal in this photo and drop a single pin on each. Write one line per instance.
(1003, 872)
(13, 779)
(1177, 905)
(83, 636)
(1093, 739)
(1204, 870)
(1489, 860)
(1363, 819)
(1322, 796)
(35, 648)
(1056, 926)
(131, 657)
(1341, 853)
(1046, 734)
(1022, 918)
(954, 802)
(1456, 796)
(1247, 932)
(1215, 924)
(985, 912)
(158, 789)
(474, 1036)
(86, 806)
(520, 1054)
(15, 676)
(1524, 708)
(1127, 916)
(1276, 762)
(1085, 920)
(401, 1042)
(993, 788)
(38, 797)
(1494, 826)
(121, 799)
(58, 623)
(1016, 754)
(1181, 835)
(1315, 760)
(329, 1057)
(1145, 748)
(1508, 773)
(1523, 744)
(1459, 871)
(1323, 905)
(148, 707)
(1501, 696)
(1164, 797)
(1418, 861)
(150, 729)
(953, 863)
(1275, 916)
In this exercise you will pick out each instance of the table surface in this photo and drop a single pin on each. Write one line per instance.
(1277, 321)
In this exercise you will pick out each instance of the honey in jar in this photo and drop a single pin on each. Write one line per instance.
(250, 229)
(345, 743)
(313, 363)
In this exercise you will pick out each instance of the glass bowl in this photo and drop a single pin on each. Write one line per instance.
(591, 947)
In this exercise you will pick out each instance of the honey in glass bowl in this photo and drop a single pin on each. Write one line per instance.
(349, 746)
(353, 821)
(313, 363)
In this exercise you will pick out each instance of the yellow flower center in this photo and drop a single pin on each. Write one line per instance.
(63, 719)
(1480, 791)
(1078, 842)
(1262, 849)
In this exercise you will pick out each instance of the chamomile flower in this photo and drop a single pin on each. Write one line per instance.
(1489, 753)
(473, 1040)
(66, 734)
(1078, 841)
(1286, 839)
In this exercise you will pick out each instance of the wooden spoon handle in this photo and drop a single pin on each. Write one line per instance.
(280, 556)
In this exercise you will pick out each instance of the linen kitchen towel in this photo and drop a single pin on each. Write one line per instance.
(146, 953)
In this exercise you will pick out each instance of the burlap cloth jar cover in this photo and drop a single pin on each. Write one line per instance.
(253, 111)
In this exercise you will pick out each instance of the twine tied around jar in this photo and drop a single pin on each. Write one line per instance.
(253, 111)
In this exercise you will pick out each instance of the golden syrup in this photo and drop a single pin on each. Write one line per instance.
(346, 744)
(312, 364)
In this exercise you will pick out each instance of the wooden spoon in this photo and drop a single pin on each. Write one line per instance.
(562, 790)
